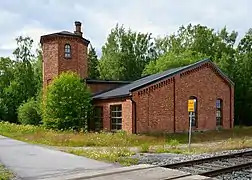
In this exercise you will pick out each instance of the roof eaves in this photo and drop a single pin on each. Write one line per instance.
(62, 34)
(171, 74)
(111, 97)
(101, 92)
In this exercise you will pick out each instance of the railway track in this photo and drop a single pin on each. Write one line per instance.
(217, 165)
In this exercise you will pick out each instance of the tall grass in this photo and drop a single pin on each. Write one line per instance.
(113, 155)
(5, 174)
(41, 135)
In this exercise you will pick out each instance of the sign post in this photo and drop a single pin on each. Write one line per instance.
(191, 109)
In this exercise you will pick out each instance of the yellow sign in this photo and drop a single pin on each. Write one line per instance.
(190, 105)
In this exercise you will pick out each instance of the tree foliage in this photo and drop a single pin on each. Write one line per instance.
(66, 103)
(93, 72)
(243, 86)
(19, 83)
(217, 45)
(172, 60)
(125, 54)
(28, 113)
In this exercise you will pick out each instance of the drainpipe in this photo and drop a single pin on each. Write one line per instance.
(174, 105)
(134, 116)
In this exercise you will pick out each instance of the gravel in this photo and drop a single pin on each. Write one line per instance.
(239, 175)
(169, 158)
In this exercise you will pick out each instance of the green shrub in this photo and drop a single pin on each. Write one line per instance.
(67, 103)
(145, 147)
(28, 113)
(5, 174)
(173, 143)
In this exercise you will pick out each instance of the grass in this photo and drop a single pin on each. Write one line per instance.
(40, 135)
(5, 174)
(229, 144)
(118, 144)
(114, 155)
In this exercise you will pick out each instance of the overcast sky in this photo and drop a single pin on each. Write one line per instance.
(39, 17)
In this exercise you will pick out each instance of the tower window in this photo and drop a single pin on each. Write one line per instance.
(67, 51)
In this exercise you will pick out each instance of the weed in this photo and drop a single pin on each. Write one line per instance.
(41, 135)
(173, 143)
(144, 148)
(237, 138)
(5, 174)
(113, 155)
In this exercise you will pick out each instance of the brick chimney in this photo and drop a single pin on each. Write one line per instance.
(78, 28)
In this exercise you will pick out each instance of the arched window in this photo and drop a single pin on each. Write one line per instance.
(67, 51)
(195, 113)
(219, 112)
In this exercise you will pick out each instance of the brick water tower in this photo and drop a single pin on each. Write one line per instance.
(64, 51)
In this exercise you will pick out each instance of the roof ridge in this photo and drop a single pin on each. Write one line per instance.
(177, 70)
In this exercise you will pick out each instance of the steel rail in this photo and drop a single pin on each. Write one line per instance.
(224, 170)
(209, 159)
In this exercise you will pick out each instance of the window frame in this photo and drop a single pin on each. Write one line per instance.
(116, 115)
(219, 119)
(98, 118)
(67, 51)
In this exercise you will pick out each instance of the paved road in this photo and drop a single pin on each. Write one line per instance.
(33, 162)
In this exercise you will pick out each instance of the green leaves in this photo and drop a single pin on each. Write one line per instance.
(93, 72)
(125, 54)
(18, 80)
(243, 82)
(67, 103)
(28, 113)
(172, 60)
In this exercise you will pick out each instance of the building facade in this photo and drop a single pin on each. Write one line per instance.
(156, 103)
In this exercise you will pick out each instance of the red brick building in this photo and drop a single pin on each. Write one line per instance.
(156, 103)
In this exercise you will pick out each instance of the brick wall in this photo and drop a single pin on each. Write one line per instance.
(207, 86)
(78, 60)
(154, 107)
(126, 113)
(99, 87)
(54, 61)
(50, 61)
(155, 110)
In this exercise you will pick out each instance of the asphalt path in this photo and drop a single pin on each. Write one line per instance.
(32, 162)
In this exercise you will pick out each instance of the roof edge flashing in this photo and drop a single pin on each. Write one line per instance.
(173, 73)
(112, 97)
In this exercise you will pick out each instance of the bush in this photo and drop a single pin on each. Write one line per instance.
(145, 148)
(28, 113)
(67, 103)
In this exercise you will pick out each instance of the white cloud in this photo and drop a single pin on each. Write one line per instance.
(98, 17)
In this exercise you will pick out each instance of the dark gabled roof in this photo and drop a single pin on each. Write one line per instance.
(64, 33)
(125, 90)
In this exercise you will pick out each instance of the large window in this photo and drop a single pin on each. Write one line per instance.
(67, 51)
(98, 118)
(116, 117)
(195, 113)
(219, 112)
